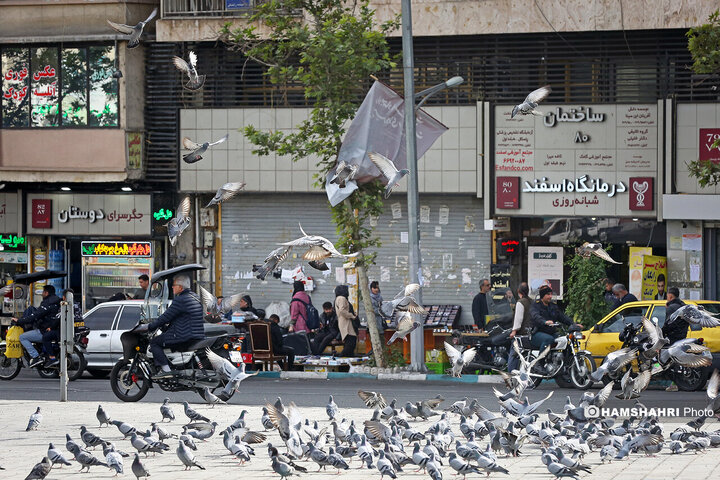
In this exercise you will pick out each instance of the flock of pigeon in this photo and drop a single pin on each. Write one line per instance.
(464, 438)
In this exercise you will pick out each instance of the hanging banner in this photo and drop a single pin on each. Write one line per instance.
(653, 267)
(379, 126)
(545, 267)
(500, 279)
(636, 269)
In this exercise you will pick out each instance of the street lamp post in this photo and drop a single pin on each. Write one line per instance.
(417, 343)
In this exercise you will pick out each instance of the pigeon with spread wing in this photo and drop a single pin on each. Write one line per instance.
(316, 249)
(195, 81)
(226, 192)
(388, 170)
(344, 173)
(695, 315)
(531, 102)
(133, 31)
(197, 149)
(458, 360)
(176, 226)
(216, 310)
(587, 249)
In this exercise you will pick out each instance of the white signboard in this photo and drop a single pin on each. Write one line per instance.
(579, 160)
(545, 267)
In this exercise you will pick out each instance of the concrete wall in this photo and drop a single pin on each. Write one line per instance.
(481, 17)
(691, 117)
(450, 166)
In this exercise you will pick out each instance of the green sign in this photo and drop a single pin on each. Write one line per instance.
(163, 214)
(12, 243)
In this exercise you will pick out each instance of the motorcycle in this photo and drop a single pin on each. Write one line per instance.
(687, 379)
(76, 363)
(566, 363)
(491, 351)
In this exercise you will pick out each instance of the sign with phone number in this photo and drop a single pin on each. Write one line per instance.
(116, 249)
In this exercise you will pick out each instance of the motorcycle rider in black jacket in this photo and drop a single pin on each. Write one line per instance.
(39, 321)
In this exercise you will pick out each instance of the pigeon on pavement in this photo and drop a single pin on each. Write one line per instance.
(193, 415)
(187, 457)
(210, 397)
(87, 460)
(56, 456)
(89, 438)
(166, 411)
(388, 170)
(102, 416)
(531, 102)
(195, 81)
(125, 428)
(133, 31)
(331, 408)
(114, 461)
(40, 470)
(34, 421)
(139, 469)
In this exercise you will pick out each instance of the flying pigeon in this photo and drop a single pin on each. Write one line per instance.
(405, 325)
(587, 249)
(344, 173)
(372, 399)
(687, 353)
(195, 81)
(656, 340)
(226, 192)
(458, 359)
(34, 421)
(139, 469)
(234, 375)
(713, 391)
(187, 457)
(613, 362)
(102, 416)
(404, 301)
(197, 149)
(176, 226)
(40, 470)
(135, 31)
(631, 387)
(272, 261)
(531, 102)
(166, 410)
(694, 315)
(316, 248)
(388, 170)
(214, 312)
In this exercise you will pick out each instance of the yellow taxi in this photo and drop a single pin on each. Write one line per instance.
(603, 337)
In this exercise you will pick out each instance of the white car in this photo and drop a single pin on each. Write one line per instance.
(107, 321)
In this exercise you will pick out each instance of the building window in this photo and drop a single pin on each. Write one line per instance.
(59, 87)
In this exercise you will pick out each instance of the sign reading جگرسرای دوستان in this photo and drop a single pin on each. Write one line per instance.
(579, 160)
(545, 267)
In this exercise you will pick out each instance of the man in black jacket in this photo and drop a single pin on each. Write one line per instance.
(543, 314)
(42, 320)
(329, 332)
(479, 306)
(52, 335)
(184, 322)
(278, 347)
(677, 330)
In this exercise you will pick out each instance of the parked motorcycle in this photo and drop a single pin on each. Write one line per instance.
(491, 351)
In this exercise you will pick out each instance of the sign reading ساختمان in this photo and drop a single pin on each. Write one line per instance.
(579, 160)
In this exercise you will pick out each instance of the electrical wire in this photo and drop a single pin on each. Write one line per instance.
(622, 25)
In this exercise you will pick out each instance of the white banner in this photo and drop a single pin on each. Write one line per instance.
(545, 267)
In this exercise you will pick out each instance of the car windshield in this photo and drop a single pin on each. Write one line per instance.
(617, 323)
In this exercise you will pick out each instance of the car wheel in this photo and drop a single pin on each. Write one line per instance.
(98, 373)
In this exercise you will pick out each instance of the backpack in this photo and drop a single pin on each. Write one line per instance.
(312, 317)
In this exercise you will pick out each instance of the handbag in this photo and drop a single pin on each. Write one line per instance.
(13, 347)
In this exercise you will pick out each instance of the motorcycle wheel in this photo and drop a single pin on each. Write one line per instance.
(125, 388)
(690, 379)
(563, 378)
(9, 367)
(581, 378)
(75, 367)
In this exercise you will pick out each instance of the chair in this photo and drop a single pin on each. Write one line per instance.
(261, 344)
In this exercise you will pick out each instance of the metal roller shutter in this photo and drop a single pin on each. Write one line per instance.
(452, 263)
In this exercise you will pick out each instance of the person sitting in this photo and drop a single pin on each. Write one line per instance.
(544, 313)
(622, 295)
(328, 332)
(345, 315)
(50, 337)
(144, 282)
(40, 321)
(246, 305)
(278, 346)
(184, 320)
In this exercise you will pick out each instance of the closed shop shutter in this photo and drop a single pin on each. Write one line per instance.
(455, 254)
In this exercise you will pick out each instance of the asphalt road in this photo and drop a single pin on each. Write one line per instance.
(314, 392)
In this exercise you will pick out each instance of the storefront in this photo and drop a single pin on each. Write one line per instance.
(103, 241)
(13, 247)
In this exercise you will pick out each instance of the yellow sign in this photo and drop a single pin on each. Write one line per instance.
(636, 269)
(134, 150)
(653, 266)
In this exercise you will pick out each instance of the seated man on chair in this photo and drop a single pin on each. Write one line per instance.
(278, 347)
(183, 321)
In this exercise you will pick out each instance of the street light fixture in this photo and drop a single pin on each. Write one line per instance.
(417, 343)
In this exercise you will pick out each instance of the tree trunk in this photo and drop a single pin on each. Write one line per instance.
(377, 342)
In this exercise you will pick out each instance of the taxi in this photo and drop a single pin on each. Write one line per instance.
(603, 337)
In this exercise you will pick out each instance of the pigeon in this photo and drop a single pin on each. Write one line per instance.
(195, 81)
(331, 408)
(272, 261)
(694, 315)
(166, 411)
(197, 149)
(458, 360)
(139, 444)
(433, 403)
(187, 457)
(388, 170)
(210, 397)
(7, 288)
(560, 470)
(34, 421)
(384, 466)
(316, 248)
(40, 470)
(273, 452)
(89, 438)
(403, 302)
(102, 416)
(176, 226)
(655, 338)
(193, 415)
(71, 445)
(372, 399)
(587, 249)
(531, 102)
(282, 468)
(405, 325)
(597, 399)
(215, 312)
(133, 31)
(203, 433)
(188, 440)
(226, 192)
(343, 173)
(631, 388)
(87, 459)
(56, 456)
(125, 428)
(687, 353)
(318, 456)
(266, 421)
(713, 391)
(461, 467)
(613, 362)
(114, 461)
(240, 422)
(139, 469)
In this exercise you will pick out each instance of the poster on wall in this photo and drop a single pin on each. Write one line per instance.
(654, 268)
(635, 284)
(500, 279)
(545, 267)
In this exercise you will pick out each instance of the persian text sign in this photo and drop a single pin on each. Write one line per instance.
(653, 267)
(12, 243)
(507, 192)
(708, 136)
(116, 249)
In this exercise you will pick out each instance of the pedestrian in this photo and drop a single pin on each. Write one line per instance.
(41, 320)
(544, 313)
(144, 282)
(676, 330)
(522, 324)
(608, 294)
(328, 332)
(346, 316)
(662, 294)
(279, 348)
(298, 310)
(377, 301)
(480, 309)
(622, 295)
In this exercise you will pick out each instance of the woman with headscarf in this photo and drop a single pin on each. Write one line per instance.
(345, 316)
(298, 312)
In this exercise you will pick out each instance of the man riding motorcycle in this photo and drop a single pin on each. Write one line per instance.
(544, 314)
(38, 322)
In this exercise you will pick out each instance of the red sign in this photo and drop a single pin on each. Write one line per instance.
(41, 213)
(507, 192)
(708, 136)
(641, 193)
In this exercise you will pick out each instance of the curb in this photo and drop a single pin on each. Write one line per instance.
(404, 376)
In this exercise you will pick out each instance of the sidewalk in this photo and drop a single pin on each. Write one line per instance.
(20, 450)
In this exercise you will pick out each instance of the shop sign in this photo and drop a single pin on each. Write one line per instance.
(708, 136)
(500, 278)
(74, 212)
(653, 267)
(116, 249)
(41, 213)
(508, 247)
(507, 192)
(134, 150)
(163, 214)
(641, 194)
(12, 243)
(545, 267)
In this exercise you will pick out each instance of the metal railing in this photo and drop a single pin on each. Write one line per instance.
(209, 8)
